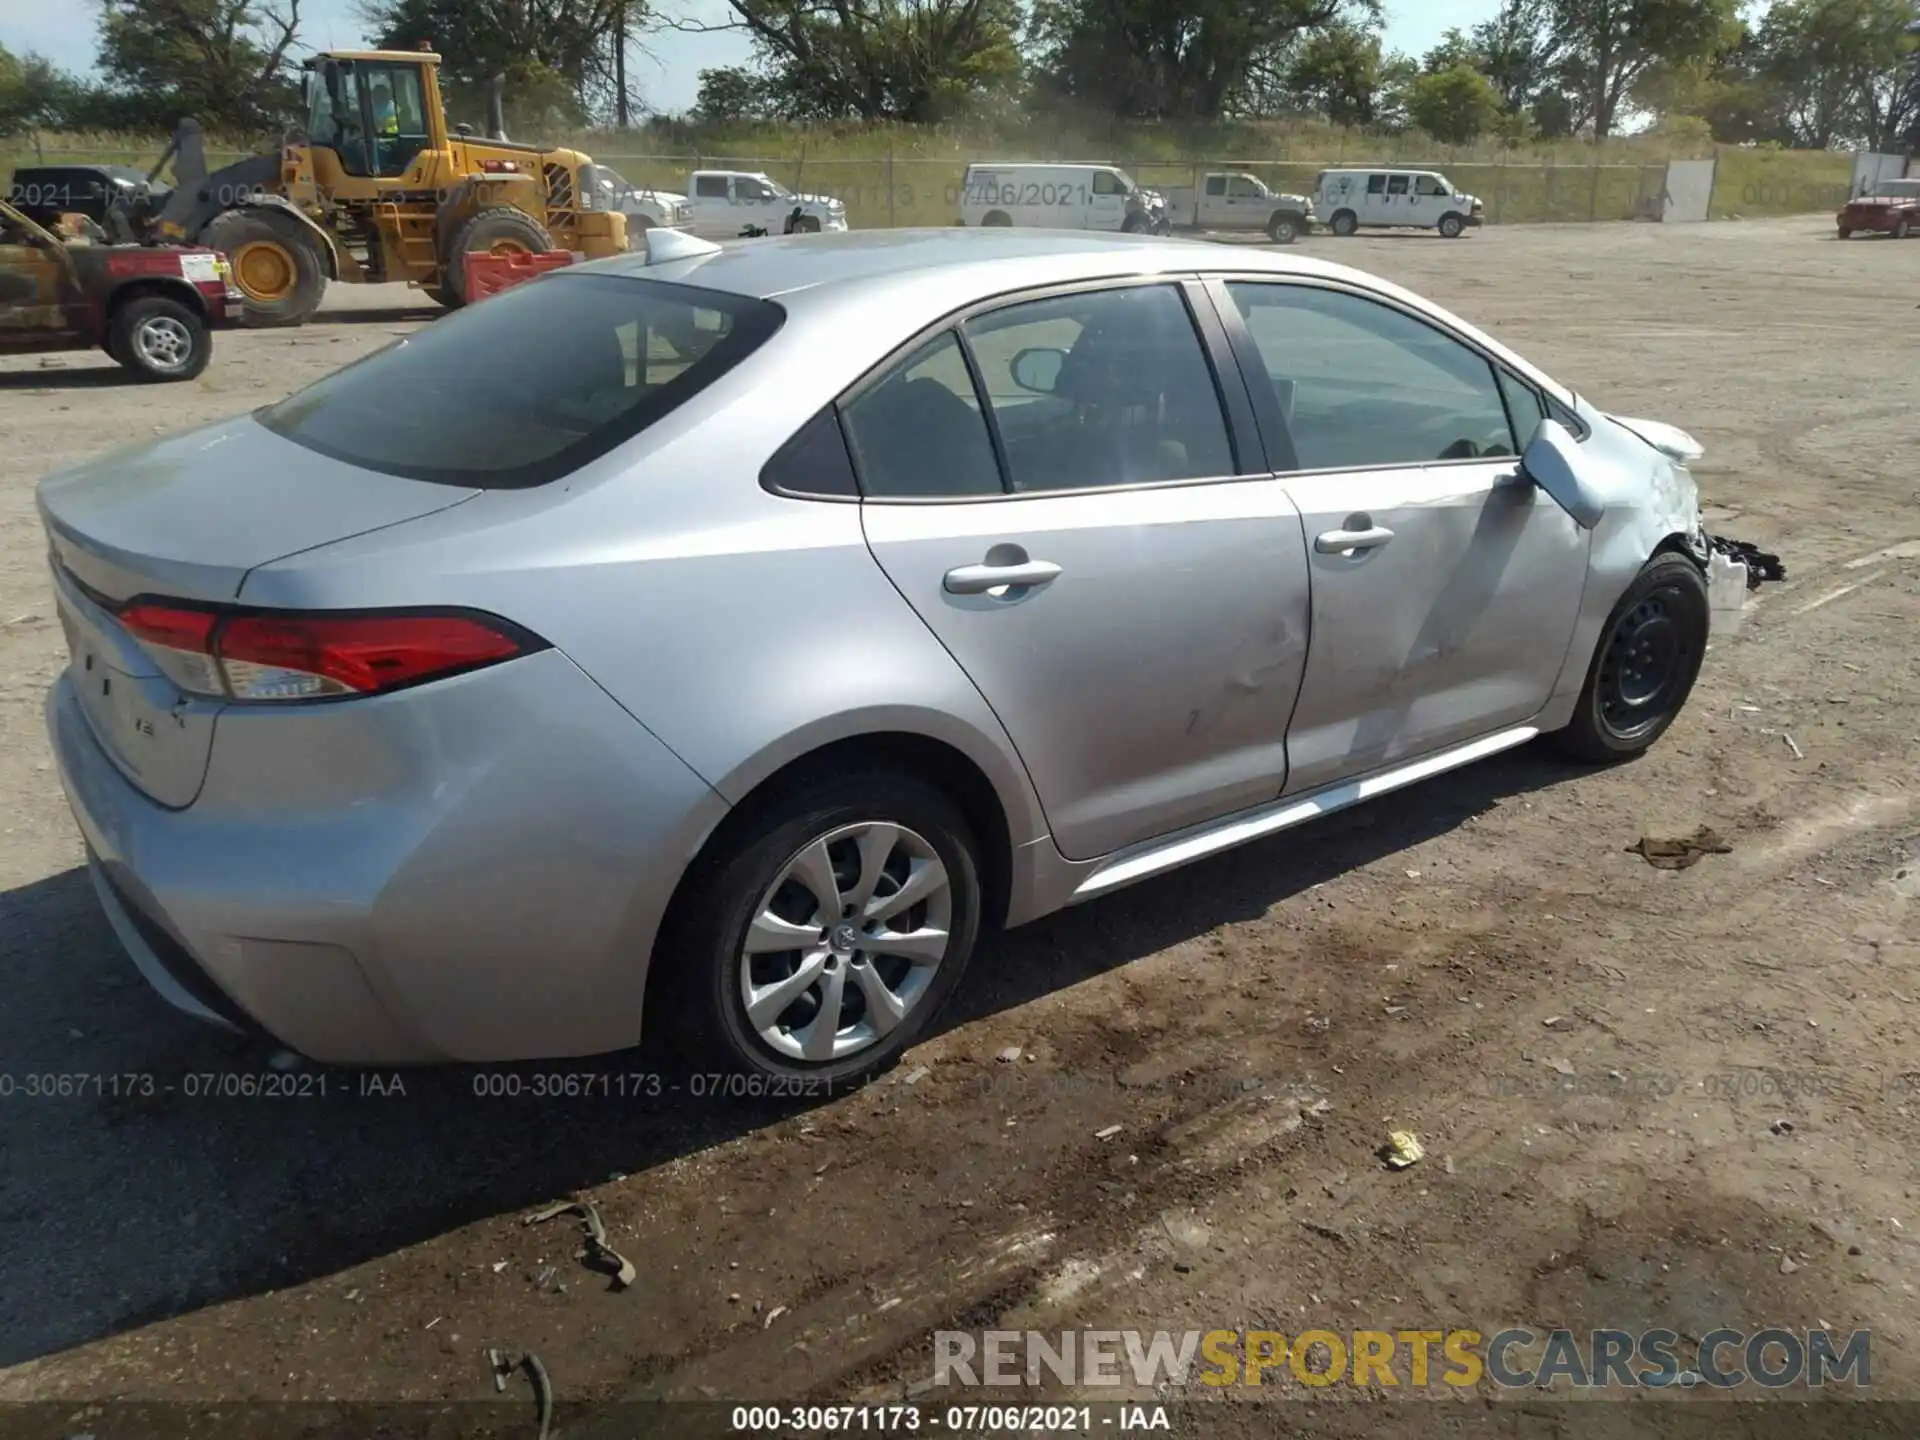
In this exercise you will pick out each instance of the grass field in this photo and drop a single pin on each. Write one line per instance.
(911, 176)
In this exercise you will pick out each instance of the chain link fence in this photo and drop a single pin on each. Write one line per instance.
(885, 191)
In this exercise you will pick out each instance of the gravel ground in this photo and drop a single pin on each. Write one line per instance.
(1646, 1097)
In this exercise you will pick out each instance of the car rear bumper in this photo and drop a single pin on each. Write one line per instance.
(472, 870)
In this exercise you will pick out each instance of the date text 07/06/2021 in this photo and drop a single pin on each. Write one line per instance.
(958, 1420)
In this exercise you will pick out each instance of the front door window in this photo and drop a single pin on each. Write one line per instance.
(397, 105)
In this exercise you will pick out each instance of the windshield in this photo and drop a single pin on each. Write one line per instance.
(530, 385)
(1900, 189)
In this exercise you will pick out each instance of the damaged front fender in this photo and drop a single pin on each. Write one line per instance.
(1634, 493)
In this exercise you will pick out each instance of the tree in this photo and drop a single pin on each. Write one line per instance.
(1607, 46)
(907, 60)
(561, 58)
(1736, 98)
(1172, 59)
(729, 95)
(34, 95)
(222, 61)
(1841, 70)
(1454, 49)
(1455, 105)
(1337, 72)
(1517, 51)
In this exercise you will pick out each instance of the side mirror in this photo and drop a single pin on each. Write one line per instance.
(1553, 462)
(1037, 369)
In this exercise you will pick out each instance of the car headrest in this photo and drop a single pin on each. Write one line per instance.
(1117, 363)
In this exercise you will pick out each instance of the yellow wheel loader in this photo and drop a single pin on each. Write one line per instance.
(375, 189)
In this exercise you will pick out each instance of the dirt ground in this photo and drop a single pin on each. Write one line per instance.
(1646, 1097)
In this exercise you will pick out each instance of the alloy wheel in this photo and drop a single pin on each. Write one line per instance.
(164, 344)
(845, 942)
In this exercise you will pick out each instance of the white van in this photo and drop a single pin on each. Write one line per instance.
(1060, 197)
(1412, 199)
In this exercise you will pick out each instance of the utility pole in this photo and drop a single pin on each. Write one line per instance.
(620, 63)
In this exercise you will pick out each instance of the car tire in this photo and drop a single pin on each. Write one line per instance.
(997, 218)
(276, 265)
(1345, 223)
(1645, 665)
(1845, 233)
(1135, 225)
(158, 338)
(1283, 229)
(768, 862)
(1902, 228)
(445, 299)
(500, 229)
(1452, 226)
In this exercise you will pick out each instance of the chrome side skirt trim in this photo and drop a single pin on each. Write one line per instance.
(1138, 862)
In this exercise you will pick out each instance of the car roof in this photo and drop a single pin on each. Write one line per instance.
(851, 297)
(1006, 259)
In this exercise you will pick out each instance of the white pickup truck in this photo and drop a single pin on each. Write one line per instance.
(730, 203)
(604, 188)
(1231, 200)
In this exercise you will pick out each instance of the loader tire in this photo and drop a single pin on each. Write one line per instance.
(276, 265)
(501, 230)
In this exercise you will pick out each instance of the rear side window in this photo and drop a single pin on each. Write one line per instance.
(814, 463)
(530, 385)
(919, 434)
(1376, 184)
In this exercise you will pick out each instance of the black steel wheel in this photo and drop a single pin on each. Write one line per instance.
(1644, 669)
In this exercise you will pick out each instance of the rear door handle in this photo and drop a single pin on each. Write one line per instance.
(979, 579)
(1336, 542)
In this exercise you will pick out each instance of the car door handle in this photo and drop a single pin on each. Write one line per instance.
(1335, 542)
(979, 579)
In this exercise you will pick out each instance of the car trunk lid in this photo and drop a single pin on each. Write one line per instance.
(187, 518)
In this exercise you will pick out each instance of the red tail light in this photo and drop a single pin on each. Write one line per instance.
(312, 655)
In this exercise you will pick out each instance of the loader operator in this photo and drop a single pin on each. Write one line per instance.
(386, 119)
(386, 129)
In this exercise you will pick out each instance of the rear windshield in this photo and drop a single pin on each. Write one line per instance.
(529, 385)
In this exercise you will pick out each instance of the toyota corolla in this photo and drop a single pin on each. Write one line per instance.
(730, 636)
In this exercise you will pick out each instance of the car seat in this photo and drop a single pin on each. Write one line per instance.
(921, 429)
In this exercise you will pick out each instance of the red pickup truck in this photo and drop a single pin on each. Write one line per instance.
(1891, 208)
(151, 308)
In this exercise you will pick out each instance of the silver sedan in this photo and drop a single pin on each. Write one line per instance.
(728, 635)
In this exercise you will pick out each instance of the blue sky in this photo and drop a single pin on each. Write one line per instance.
(63, 30)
